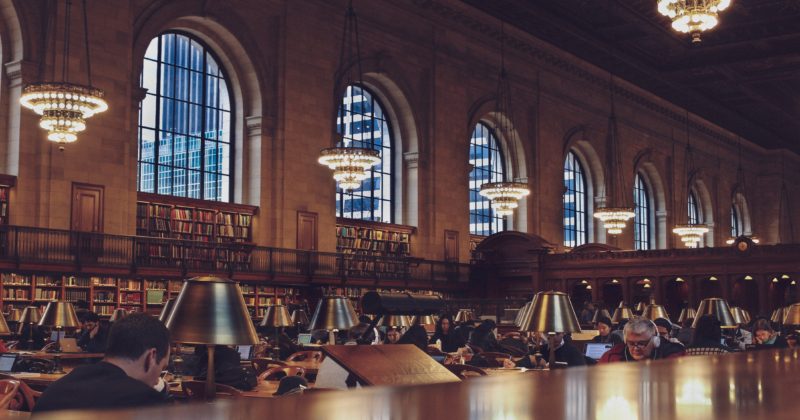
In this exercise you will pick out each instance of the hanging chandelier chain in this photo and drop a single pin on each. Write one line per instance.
(67, 28)
(86, 44)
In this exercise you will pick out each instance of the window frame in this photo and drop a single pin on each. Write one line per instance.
(493, 218)
(737, 227)
(224, 75)
(578, 172)
(641, 194)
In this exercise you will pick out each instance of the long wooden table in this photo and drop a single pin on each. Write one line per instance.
(62, 356)
(762, 384)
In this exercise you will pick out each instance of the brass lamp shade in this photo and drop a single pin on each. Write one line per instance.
(165, 311)
(599, 313)
(640, 307)
(622, 312)
(118, 314)
(746, 314)
(395, 321)
(717, 307)
(521, 313)
(14, 315)
(464, 315)
(4, 330)
(300, 317)
(333, 313)
(775, 315)
(687, 313)
(792, 316)
(738, 315)
(551, 312)
(59, 314)
(30, 315)
(653, 312)
(277, 316)
(426, 320)
(211, 310)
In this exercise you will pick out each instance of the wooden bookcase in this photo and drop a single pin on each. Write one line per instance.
(356, 238)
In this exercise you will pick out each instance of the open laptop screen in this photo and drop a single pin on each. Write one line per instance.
(596, 350)
(7, 361)
(244, 352)
(303, 339)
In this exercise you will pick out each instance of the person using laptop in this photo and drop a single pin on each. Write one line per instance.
(94, 335)
(604, 335)
(642, 343)
(565, 354)
(137, 352)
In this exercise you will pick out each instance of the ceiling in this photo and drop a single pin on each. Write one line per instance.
(744, 75)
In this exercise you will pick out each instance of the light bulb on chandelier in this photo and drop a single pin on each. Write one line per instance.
(350, 165)
(504, 196)
(693, 16)
(614, 218)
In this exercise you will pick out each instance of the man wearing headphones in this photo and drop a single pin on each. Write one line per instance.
(642, 343)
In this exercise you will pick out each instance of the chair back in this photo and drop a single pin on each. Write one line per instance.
(8, 390)
(305, 355)
(196, 391)
(276, 373)
(260, 364)
(25, 399)
(466, 371)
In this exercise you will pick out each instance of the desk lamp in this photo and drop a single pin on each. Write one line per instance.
(738, 315)
(4, 330)
(551, 313)
(653, 312)
(300, 318)
(521, 313)
(211, 311)
(59, 315)
(687, 313)
(622, 312)
(425, 320)
(464, 315)
(276, 316)
(333, 313)
(166, 309)
(600, 313)
(792, 317)
(30, 316)
(396, 321)
(118, 314)
(14, 315)
(639, 307)
(717, 307)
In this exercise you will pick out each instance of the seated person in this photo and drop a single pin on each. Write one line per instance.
(465, 329)
(451, 341)
(603, 326)
(641, 343)
(617, 334)
(31, 337)
(565, 354)
(137, 352)
(392, 336)
(94, 335)
(766, 337)
(791, 340)
(708, 335)
(371, 335)
(483, 337)
(415, 335)
(228, 368)
(286, 347)
(664, 328)
(686, 332)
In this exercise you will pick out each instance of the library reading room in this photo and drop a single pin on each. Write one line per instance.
(399, 209)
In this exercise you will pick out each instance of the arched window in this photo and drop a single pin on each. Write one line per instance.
(362, 123)
(184, 128)
(736, 223)
(642, 215)
(694, 212)
(575, 205)
(486, 159)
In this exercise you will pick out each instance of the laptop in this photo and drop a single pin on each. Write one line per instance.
(304, 339)
(245, 352)
(7, 361)
(70, 345)
(54, 336)
(596, 350)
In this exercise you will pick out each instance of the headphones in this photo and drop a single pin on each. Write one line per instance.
(655, 339)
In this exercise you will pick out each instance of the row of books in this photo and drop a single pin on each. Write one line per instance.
(76, 295)
(16, 294)
(130, 298)
(367, 244)
(45, 294)
(371, 233)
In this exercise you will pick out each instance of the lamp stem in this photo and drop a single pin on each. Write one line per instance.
(331, 337)
(57, 358)
(211, 386)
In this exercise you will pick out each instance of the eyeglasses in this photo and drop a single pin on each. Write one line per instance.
(638, 344)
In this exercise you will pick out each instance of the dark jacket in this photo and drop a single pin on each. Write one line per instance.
(96, 344)
(567, 353)
(779, 343)
(450, 342)
(101, 385)
(619, 353)
(610, 338)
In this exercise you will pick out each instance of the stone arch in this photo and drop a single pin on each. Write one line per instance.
(507, 133)
(577, 140)
(236, 54)
(739, 202)
(13, 54)
(646, 168)
(698, 185)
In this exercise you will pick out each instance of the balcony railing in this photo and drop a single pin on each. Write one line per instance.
(50, 246)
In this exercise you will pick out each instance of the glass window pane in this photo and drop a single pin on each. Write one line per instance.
(574, 202)
(487, 163)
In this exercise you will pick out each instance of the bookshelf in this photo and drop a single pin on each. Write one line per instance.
(360, 238)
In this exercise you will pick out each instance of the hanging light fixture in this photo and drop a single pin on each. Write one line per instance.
(64, 106)
(690, 233)
(350, 164)
(741, 185)
(504, 195)
(693, 16)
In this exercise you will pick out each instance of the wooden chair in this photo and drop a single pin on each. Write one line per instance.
(305, 355)
(48, 347)
(275, 373)
(25, 399)
(8, 390)
(260, 364)
(495, 359)
(196, 391)
(466, 371)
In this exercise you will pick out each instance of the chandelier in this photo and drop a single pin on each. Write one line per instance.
(351, 165)
(64, 106)
(504, 196)
(690, 233)
(614, 218)
(693, 16)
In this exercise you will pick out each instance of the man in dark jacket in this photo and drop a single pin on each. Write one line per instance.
(138, 350)
(565, 354)
(94, 335)
(642, 343)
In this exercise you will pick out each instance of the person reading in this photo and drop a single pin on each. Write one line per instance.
(94, 335)
(642, 343)
(137, 352)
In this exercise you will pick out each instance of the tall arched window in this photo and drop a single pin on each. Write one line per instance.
(184, 128)
(575, 204)
(642, 216)
(736, 223)
(486, 159)
(694, 211)
(362, 123)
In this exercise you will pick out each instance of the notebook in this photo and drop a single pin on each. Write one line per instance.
(304, 339)
(7, 361)
(596, 350)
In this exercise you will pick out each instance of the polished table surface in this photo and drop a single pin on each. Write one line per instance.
(764, 384)
(63, 356)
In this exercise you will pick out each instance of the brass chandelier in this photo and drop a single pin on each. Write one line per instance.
(693, 16)
(350, 164)
(690, 233)
(504, 195)
(64, 106)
